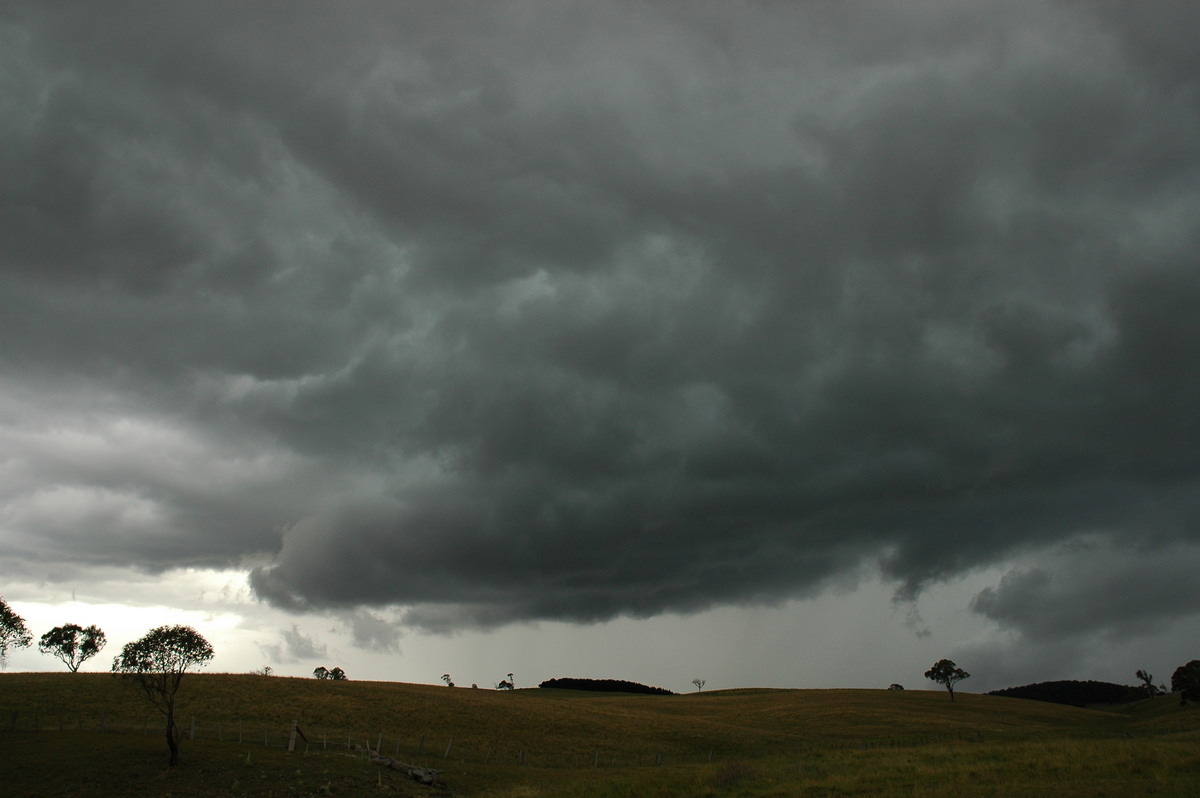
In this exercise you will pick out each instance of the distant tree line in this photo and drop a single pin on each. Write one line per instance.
(1075, 693)
(604, 686)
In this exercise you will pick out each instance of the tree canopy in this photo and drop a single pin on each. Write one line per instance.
(13, 631)
(73, 644)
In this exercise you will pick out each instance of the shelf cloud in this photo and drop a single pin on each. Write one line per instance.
(509, 312)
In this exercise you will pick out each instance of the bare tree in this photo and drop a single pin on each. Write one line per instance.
(13, 631)
(156, 664)
(699, 684)
(446, 678)
(73, 644)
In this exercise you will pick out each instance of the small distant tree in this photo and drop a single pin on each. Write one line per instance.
(13, 631)
(156, 664)
(946, 673)
(1147, 684)
(894, 686)
(338, 675)
(321, 672)
(699, 684)
(504, 685)
(1186, 681)
(512, 683)
(73, 644)
(265, 670)
(446, 678)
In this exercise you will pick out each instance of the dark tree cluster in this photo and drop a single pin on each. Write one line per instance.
(336, 674)
(604, 686)
(1074, 693)
(1186, 681)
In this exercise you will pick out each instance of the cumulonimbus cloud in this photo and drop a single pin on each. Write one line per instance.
(494, 318)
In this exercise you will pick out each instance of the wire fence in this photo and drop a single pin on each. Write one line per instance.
(432, 748)
(303, 738)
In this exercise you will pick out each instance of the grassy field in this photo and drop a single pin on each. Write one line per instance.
(92, 735)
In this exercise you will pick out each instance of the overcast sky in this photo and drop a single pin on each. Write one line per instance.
(786, 344)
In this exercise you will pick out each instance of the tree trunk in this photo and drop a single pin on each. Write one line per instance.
(172, 738)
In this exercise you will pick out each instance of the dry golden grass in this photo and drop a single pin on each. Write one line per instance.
(563, 743)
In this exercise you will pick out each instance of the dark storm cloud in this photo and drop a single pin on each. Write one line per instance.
(1092, 588)
(510, 311)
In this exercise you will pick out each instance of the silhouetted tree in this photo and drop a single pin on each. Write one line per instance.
(338, 675)
(13, 631)
(321, 672)
(1186, 681)
(945, 672)
(1147, 684)
(894, 686)
(446, 678)
(156, 664)
(73, 644)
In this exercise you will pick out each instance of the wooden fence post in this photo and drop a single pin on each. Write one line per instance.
(292, 738)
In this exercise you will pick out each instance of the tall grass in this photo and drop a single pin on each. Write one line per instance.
(562, 743)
